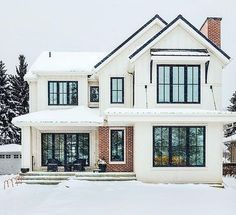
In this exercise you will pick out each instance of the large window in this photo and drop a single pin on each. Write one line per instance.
(178, 84)
(117, 145)
(63, 93)
(178, 146)
(117, 90)
(66, 148)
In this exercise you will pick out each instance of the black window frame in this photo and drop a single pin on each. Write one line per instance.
(187, 146)
(65, 142)
(185, 83)
(111, 145)
(67, 93)
(111, 90)
(90, 94)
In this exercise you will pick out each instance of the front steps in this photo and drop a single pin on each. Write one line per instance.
(53, 178)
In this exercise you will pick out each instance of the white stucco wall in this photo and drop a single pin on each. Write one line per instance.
(143, 155)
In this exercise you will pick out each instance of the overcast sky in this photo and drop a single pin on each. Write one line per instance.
(31, 26)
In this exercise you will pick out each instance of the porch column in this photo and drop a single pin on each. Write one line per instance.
(26, 149)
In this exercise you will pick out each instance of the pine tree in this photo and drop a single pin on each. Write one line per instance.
(232, 107)
(20, 92)
(8, 133)
(20, 88)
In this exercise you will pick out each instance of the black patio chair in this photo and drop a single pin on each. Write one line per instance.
(68, 167)
(79, 164)
(52, 165)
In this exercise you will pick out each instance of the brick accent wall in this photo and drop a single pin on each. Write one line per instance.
(103, 148)
(212, 29)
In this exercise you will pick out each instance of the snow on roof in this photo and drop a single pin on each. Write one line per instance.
(64, 62)
(80, 115)
(231, 138)
(165, 111)
(10, 148)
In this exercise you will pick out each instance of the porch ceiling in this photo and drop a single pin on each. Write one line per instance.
(78, 116)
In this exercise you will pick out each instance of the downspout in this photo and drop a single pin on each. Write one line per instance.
(213, 96)
(146, 96)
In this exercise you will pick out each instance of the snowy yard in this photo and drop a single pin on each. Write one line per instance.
(76, 197)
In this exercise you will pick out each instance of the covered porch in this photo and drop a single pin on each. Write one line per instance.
(64, 136)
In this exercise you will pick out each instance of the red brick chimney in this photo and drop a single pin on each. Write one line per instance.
(211, 28)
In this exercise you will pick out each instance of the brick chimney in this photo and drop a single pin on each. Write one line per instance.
(211, 28)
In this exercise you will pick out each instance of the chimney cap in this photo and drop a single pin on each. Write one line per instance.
(210, 18)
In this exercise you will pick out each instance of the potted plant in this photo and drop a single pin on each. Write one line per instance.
(102, 165)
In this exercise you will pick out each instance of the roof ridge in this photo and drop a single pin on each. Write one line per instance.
(130, 37)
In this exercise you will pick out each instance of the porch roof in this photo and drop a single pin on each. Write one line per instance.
(168, 115)
(78, 116)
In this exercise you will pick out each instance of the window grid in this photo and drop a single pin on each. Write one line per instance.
(2, 156)
(178, 84)
(62, 93)
(178, 146)
(117, 90)
(94, 94)
(66, 148)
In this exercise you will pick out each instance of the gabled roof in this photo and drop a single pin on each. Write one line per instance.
(147, 44)
(156, 17)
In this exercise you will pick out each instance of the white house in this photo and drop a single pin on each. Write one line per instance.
(151, 106)
(10, 159)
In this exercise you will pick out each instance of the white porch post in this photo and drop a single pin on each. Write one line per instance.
(26, 149)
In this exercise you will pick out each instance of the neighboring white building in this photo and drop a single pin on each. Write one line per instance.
(10, 159)
(151, 106)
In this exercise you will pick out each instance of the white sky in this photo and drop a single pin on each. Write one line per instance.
(31, 26)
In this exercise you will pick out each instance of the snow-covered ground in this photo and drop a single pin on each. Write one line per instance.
(77, 197)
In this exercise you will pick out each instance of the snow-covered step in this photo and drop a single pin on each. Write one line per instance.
(110, 178)
(41, 182)
(59, 178)
(48, 174)
(106, 174)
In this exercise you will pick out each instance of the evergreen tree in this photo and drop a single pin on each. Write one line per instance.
(232, 107)
(20, 88)
(20, 93)
(8, 133)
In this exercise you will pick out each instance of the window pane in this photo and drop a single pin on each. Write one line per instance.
(167, 93)
(161, 75)
(167, 74)
(195, 93)
(181, 75)
(190, 93)
(195, 75)
(190, 74)
(114, 84)
(117, 145)
(119, 99)
(181, 93)
(120, 84)
(114, 96)
(175, 93)
(175, 75)
(94, 94)
(161, 93)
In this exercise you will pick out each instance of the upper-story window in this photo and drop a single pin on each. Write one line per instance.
(178, 84)
(63, 93)
(117, 90)
(94, 94)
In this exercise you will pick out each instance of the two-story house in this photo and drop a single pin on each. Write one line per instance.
(151, 106)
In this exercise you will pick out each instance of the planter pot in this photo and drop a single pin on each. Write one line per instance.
(24, 170)
(102, 167)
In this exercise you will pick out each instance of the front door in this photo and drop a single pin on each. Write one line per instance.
(77, 147)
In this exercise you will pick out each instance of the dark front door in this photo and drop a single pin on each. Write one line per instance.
(77, 147)
(66, 148)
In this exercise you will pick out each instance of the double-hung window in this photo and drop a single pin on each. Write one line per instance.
(178, 84)
(63, 93)
(117, 90)
(117, 145)
(179, 146)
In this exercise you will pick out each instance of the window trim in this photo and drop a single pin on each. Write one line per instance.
(187, 146)
(93, 86)
(122, 78)
(117, 129)
(185, 83)
(67, 84)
